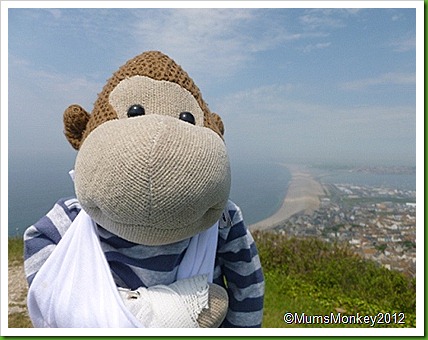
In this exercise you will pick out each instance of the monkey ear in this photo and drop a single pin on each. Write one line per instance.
(217, 121)
(75, 121)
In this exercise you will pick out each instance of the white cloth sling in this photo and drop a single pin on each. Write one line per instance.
(75, 288)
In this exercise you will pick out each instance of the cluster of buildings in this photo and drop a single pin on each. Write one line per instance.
(379, 223)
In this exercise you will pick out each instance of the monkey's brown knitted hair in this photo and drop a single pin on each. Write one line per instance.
(153, 64)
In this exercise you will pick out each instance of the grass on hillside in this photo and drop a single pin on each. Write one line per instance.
(306, 275)
(15, 249)
(16, 257)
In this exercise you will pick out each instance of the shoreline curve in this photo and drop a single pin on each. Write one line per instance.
(303, 196)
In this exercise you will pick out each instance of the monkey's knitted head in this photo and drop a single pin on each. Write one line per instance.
(151, 166)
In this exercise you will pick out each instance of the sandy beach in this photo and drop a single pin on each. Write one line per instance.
(303, 196)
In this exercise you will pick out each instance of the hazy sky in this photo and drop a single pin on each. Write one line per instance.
(290, 84)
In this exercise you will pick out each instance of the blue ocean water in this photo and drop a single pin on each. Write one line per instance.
(259, 189)
(402, 181)
(35, 184)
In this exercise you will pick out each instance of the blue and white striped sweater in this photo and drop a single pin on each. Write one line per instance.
(237, 265)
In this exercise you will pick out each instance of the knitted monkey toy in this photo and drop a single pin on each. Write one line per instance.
(152, 224)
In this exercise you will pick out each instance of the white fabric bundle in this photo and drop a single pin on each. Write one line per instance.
(176, 305)
(75, 288)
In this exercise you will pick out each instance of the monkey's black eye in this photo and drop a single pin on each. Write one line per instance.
(136, 110)
(187, 117)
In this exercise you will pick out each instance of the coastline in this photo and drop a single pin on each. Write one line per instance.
(303, 196)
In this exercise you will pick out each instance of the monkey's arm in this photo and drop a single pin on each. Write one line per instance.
(238, 269)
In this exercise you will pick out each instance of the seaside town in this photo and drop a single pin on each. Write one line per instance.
(379, 223)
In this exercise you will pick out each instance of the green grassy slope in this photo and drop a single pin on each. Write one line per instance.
(317, 278)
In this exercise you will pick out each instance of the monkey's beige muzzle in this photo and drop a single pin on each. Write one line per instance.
(153, 179)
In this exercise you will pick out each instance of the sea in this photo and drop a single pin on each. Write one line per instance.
(258, 188)
(380, 177)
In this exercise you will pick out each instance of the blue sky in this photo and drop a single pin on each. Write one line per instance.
(311, 84)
